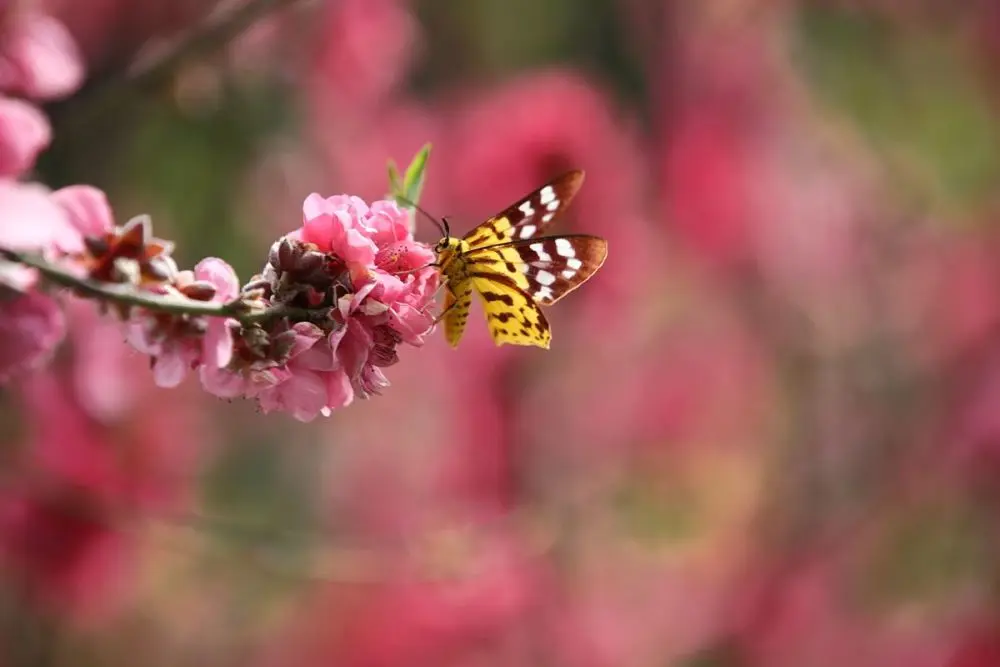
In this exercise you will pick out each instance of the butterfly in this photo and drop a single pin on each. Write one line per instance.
(513, 270)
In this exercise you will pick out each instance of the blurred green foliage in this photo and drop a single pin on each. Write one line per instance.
(475, 42)
(186, 166)
(917, 97)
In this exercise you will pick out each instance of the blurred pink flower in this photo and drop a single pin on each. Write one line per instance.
(719, 124)
(706, 173)
(83, 473)
(355, 150)
(110, 33)
(361, 54)
(805, 616)
(420, 613)
(57, 546)
(979, 648)
(87, 208)
(38, 57)
(141, 455)
(31, 222)
(31, 326)
(53, 224)
(104, 385)
(34, 221)
(499, 148)
(24, 132)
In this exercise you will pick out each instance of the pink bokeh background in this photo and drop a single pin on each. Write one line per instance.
(766, 434)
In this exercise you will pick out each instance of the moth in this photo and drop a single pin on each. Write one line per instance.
(513, 269)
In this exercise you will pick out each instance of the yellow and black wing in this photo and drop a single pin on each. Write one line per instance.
(457, 301)
(516, 278)
(527, 217)
(512, 317)
(547, 268)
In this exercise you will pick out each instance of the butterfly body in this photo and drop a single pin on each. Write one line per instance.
(514, 271)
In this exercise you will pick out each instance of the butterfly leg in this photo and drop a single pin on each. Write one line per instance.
(433, 299)
(445, 311)
(419, 268)
(453, 300)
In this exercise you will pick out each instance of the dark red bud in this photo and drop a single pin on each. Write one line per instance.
(199, 290)
(286, 255)
(96, 246)
(309, 262)
(157, 268)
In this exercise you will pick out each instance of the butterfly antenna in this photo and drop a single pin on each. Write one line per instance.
(442, 224)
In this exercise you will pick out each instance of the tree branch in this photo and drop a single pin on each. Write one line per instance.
(213, 33)
(128, 295)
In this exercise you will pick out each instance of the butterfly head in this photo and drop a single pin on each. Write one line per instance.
(446, 241)
(448, 248)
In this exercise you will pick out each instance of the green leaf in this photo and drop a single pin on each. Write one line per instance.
(413, 182)
(405, 191)
(395, 179)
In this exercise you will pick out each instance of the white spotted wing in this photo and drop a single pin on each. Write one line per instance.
(528, 217)
(546, 268)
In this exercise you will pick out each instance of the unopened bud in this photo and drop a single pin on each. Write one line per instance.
(199, 290)
(159, 268)
(287, 254)
(310, 262)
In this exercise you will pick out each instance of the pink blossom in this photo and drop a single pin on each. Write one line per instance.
(217, 345)
(180, 343)
(32, 220)
(38, 57)
(52, 224)
(87, 208)
(31, 324)
(392, 293)
(301, 387)
(338, 225)
(24, 132)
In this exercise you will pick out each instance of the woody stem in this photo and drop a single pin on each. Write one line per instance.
(129, 295)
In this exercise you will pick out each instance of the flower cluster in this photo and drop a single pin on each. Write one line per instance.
(345, 290)
(307, 335)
